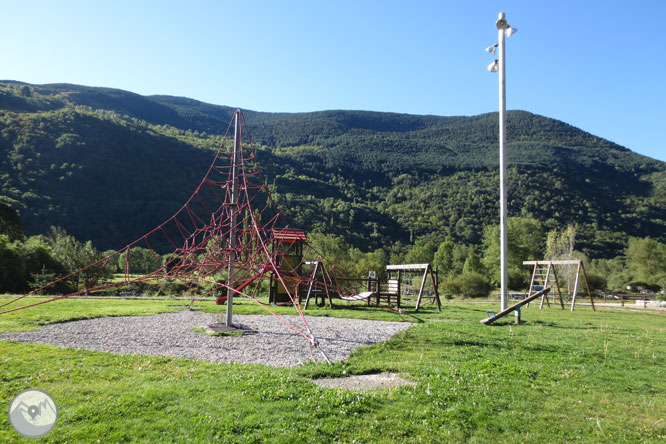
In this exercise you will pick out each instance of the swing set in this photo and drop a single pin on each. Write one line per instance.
(545, 271)
(405, 282)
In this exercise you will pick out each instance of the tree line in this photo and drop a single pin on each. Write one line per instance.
(29, 263)
(474, 270)
(468, 270)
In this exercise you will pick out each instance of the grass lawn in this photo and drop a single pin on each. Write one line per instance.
(561, 377)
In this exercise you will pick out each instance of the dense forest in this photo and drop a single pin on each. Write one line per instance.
(108, 165)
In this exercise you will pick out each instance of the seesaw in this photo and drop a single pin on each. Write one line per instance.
(517, 306)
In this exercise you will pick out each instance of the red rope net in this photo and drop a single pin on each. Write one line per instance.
(228, 236)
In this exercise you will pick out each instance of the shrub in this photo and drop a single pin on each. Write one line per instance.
(468, 285)
(171, 287)
(596, 281)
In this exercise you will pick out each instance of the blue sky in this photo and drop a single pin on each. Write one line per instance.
(598, 65)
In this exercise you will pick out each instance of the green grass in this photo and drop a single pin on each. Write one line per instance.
(562, 377)
(75, 309)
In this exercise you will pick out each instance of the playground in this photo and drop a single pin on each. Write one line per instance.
(229, 241)
(275, 343)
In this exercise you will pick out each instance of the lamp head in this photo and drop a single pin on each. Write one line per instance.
(494, 66)
(492, 49)
(501, 22)
(511, 31)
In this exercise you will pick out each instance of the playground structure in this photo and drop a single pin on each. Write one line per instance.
(288, 246)
(223, 242)
(321, 286)
(404, 282)
(516, 307)
(545, 271)
(401, 280)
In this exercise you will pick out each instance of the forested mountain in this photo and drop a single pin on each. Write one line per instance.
(108, 165)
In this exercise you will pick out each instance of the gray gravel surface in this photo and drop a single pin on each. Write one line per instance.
(170, 335)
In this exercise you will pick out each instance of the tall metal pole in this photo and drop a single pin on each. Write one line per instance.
(232, 224)
(501, 34)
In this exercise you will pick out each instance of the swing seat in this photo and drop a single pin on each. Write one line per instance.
(358, 297)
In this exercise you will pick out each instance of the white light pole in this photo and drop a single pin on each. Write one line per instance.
(232, 224)
(503, 30)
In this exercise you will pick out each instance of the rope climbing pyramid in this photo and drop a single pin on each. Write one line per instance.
(226, 239)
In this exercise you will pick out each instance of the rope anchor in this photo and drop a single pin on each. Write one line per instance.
(315, 343)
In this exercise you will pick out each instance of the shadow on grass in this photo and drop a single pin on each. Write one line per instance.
(410, 316)
(510, 323)
(564, 327)
(472, 344)
(529, 347)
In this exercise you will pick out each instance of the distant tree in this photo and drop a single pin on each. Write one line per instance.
(443, 257)
(332, 248)
(42, 279)
(23, 264)
(64, 249)
(73, 255)
(560, 244)
(419, 254)
(518, 278)
(12, 265)
(397, 253)
(472, 264)
(608, 267)
(140, 261)
(596, 281)
(619, 281)
(10, 223)
(362, 263)
(88, 255)
(525, 242)
(646, 258)
(460, 254)
(110, 266)
(39, 257)
(660, 281)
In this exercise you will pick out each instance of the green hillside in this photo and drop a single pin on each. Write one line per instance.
(108, 165)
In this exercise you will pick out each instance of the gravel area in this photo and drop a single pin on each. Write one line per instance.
(170, 335)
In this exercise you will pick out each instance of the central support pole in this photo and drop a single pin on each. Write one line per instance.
(232, 224)
(501, 27)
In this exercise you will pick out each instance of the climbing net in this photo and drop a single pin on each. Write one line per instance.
(226, 239)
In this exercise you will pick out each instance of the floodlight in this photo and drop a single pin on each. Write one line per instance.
(511, 31)
(492, 49)
(494, 66)
(501, 22)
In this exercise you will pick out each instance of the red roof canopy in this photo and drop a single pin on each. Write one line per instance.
(289, 235)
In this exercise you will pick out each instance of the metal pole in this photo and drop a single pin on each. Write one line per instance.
(232, 223)
(501, 34)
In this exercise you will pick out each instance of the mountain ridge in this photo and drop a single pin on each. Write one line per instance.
(400, 176)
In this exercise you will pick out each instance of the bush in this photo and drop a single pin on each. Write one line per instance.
(596, 281)
(619, 281)
(171, 287)
(518, 279)
(467, 285)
